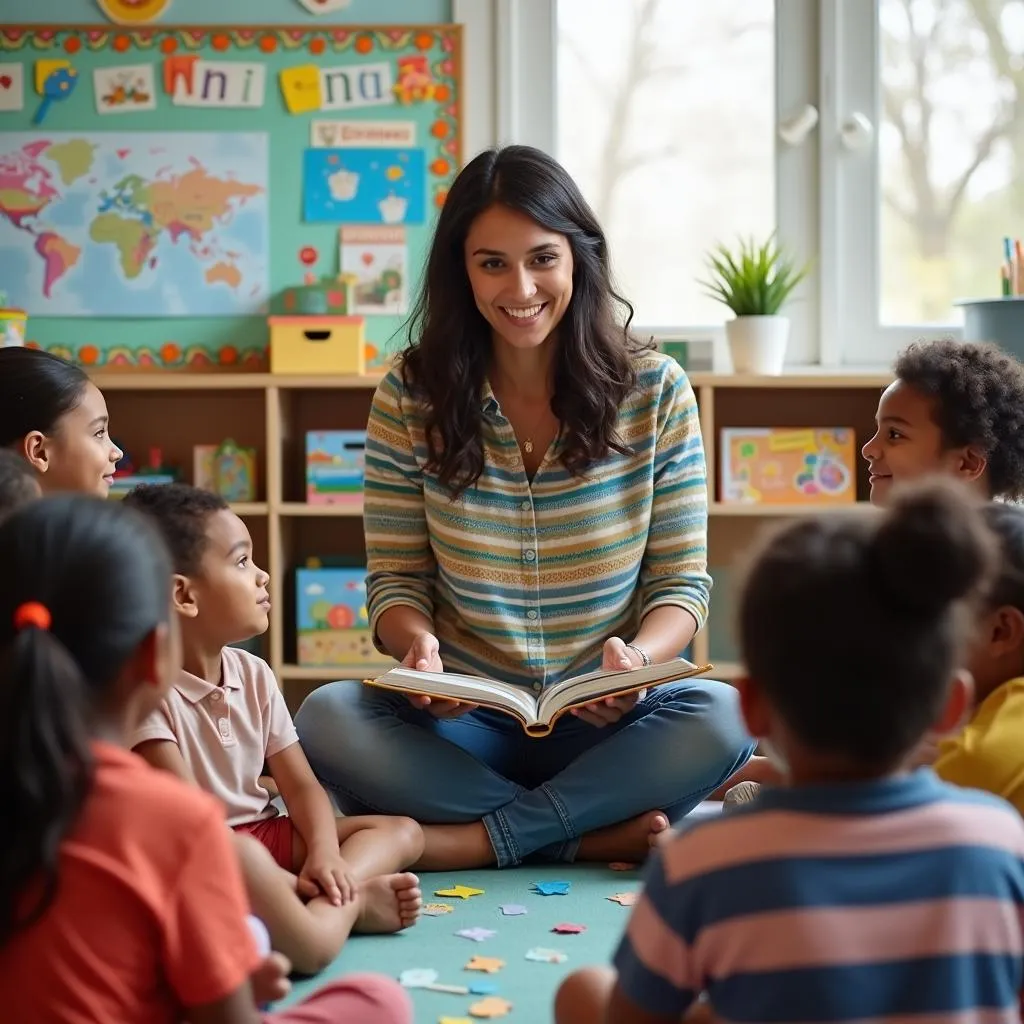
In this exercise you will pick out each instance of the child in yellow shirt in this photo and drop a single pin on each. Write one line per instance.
(989, 752)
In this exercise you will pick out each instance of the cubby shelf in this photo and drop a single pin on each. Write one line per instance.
(271, 412)
(300, 508)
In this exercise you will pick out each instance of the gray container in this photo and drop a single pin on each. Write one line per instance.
(998, 320)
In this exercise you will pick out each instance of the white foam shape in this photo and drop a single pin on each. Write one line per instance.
(343, 185)
(315, 590)
(392, 209)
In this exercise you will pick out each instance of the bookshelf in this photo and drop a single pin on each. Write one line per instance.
(175, 411)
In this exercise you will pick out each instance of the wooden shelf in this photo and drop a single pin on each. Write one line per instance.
(133, 380)
(721, 508)
(330, 673)
(250, 508)
(300, 508)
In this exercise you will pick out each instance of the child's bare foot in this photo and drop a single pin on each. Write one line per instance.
(628, 841)
(389, 903)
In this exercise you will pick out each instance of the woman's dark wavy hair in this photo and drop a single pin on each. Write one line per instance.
(105, 576)
(446, 360)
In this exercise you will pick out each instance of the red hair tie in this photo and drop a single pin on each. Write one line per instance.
(32, 613)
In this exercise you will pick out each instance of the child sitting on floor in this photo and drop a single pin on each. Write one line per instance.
(957, 409)
(859, 890)
(120, 895)
(18, 483)
(224, 717)
(989, 752)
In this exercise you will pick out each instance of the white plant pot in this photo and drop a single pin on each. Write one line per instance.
(757, 344)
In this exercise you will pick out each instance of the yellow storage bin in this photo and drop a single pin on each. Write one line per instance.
(317, 344)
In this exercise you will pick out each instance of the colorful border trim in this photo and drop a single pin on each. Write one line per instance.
(446, 127)
(171, 356)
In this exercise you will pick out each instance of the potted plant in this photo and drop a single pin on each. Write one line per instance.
(754, 281)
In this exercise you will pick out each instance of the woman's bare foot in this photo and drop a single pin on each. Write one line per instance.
(628, 841)
(389, 903)
(455, 847)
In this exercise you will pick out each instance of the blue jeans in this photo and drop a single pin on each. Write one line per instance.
(377, 753)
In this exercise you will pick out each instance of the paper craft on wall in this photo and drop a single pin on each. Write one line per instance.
(193, 82)
(308, 87)
(324, 6)
(378, 259)
(12, 87)
(375, 134)
(365, 186)
(54, 80)
(148, 224)
(124, 89)
(133, 12)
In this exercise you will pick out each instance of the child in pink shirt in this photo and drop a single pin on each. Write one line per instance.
(224, 717)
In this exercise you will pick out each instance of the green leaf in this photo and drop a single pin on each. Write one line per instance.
(751, 279)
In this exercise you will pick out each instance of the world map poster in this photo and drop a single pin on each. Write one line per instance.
(137, 225)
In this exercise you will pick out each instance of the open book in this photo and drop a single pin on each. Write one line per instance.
(539, 713)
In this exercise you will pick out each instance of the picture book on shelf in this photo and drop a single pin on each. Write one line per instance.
(537, 714)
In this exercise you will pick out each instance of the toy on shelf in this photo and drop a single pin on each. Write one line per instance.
(333, 627)
(127, 477)
(317, 344)
(12, 326)
(335, 466)
(226, 469)
(326, 296)
(786, 466)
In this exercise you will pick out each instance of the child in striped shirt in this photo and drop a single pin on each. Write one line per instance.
(861, 889)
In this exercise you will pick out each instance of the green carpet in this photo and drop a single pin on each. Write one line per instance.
(528, 985)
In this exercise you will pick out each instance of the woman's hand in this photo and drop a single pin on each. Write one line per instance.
(617, 657)
(424, 656)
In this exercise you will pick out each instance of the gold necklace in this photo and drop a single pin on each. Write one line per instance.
(528, 441)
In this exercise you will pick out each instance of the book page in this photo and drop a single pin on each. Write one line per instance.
(472, 689)
(592, 685)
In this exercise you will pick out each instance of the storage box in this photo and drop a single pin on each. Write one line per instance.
(333, 628)
(317, 344)
(335, 466)
(786, 466)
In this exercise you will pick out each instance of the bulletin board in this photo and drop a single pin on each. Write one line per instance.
(186, 182)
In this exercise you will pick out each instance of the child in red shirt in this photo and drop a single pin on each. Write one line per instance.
(120, 897)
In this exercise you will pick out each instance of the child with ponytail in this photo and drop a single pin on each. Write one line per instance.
(120, 896)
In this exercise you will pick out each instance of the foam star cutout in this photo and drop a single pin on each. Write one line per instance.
(476, 934)
(569, 929)
(437, 909)
(624, 899)
(462, 892)
(551, 888)
(513, 909)
(487, 964)
(492, 1006)
(546, 956)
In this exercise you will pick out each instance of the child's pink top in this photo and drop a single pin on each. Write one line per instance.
(226, 732)
(150, 915)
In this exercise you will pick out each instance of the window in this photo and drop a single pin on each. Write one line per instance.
(665, 116)
(922, 202)
(949, 147)
(665, 112)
